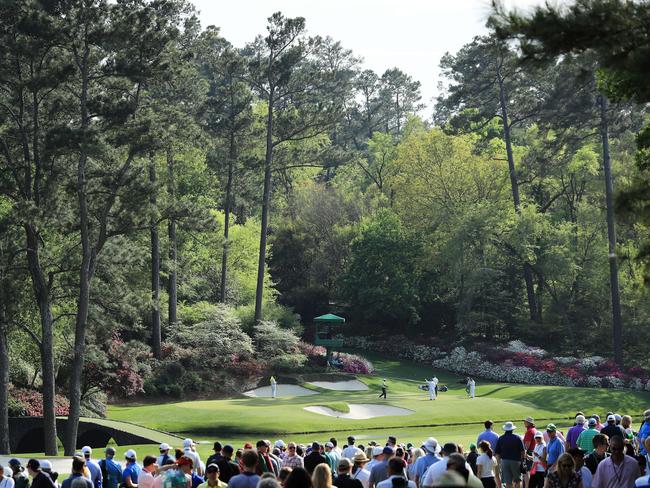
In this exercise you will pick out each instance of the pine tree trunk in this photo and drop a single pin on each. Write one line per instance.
(172, 285)
(617, 322)
(528, 272)
(226, 225)
(42, 296)
(156, 337)
(85, 273)
(5, 448)
(259, 292)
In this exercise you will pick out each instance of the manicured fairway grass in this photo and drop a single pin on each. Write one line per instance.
(247, 419)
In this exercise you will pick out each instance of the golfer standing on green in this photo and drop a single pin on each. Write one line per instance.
(274, 387)
(383, 388)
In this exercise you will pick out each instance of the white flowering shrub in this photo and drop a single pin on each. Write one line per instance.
(594, 381)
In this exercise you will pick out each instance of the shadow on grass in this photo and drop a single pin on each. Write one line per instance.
(589, 400)
(492, 392)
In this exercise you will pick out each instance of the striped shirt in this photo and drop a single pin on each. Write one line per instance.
(585, 440)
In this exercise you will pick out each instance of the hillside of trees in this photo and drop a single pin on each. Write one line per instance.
(171, 204)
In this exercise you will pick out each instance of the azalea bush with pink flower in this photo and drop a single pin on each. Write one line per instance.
(516, 362)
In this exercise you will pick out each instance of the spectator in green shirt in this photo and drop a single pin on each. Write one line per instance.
(586, 436)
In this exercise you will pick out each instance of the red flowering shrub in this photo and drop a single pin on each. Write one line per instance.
(29, 403)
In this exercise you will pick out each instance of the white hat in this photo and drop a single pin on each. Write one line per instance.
(431, 445)
(164, 447)
(280, 443)
(45, 464)
(611, 418)
(538, 435)
(130, 454)
(617, 417)
(509, 426)
(86, 450)
(377, 450)
(580, 419)
(329, 444)
(188, 443)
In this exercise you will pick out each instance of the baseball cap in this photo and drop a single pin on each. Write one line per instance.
(530, 420)
(315, 445)
(450, 448)
(329, 444)
(431, 445)
(611, 418)
(14, 463)
(345, 463)
(86, 450)
(280, 443)
(164, 447)
(46, 465)
(351, 438)
(184, 461)
(376, 451)
(592, 421)
(580, 419)
(388, 450)
(187, 443)
(130, 454)
(392, 439)
(212, 468)
(472, 445)
(551, 428)
(538, 435)
(217, 446)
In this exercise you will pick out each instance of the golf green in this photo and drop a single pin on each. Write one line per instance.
(452, 416)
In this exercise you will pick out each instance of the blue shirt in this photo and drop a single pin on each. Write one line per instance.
(644, 432)
(67, 483)
(490, 436)
(554, 450)
(244, 480)
(423, 463)
(113, 472)
(95, 473)
(196, 480)
(132, 470)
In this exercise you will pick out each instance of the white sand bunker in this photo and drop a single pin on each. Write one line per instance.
(350, 385)
(283, 391)
(361, 411)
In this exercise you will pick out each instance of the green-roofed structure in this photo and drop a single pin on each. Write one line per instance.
(328, 326)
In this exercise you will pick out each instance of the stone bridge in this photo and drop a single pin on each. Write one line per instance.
(26, 433)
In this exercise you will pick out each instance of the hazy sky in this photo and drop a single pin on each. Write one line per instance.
(409, 34)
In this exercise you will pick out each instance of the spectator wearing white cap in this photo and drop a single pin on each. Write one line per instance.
(377, 453)
(131, 471)
(93, 467)
(510, 452)
(332, 456)
(164, 457)
(611, 429)
(189, 450)
(432, 450)
(574, 432)
(585, 439)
